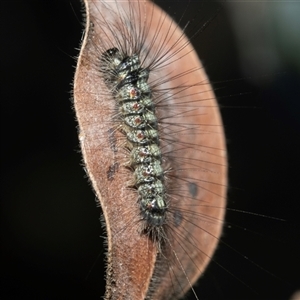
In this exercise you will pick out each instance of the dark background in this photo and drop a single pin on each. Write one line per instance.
(50, 228)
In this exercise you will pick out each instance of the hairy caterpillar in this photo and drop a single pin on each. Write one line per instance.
(130, 36)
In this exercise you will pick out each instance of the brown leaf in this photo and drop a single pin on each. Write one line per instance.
(196, 158)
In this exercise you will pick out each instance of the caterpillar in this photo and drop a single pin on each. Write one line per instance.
(128, 82)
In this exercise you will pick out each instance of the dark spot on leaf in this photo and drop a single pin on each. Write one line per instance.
(112, 170)
(112, 140)
(177, 218)
(193, 189)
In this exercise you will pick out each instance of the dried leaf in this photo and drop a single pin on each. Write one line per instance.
(137, 265)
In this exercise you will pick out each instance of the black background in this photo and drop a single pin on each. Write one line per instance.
(50, 229)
